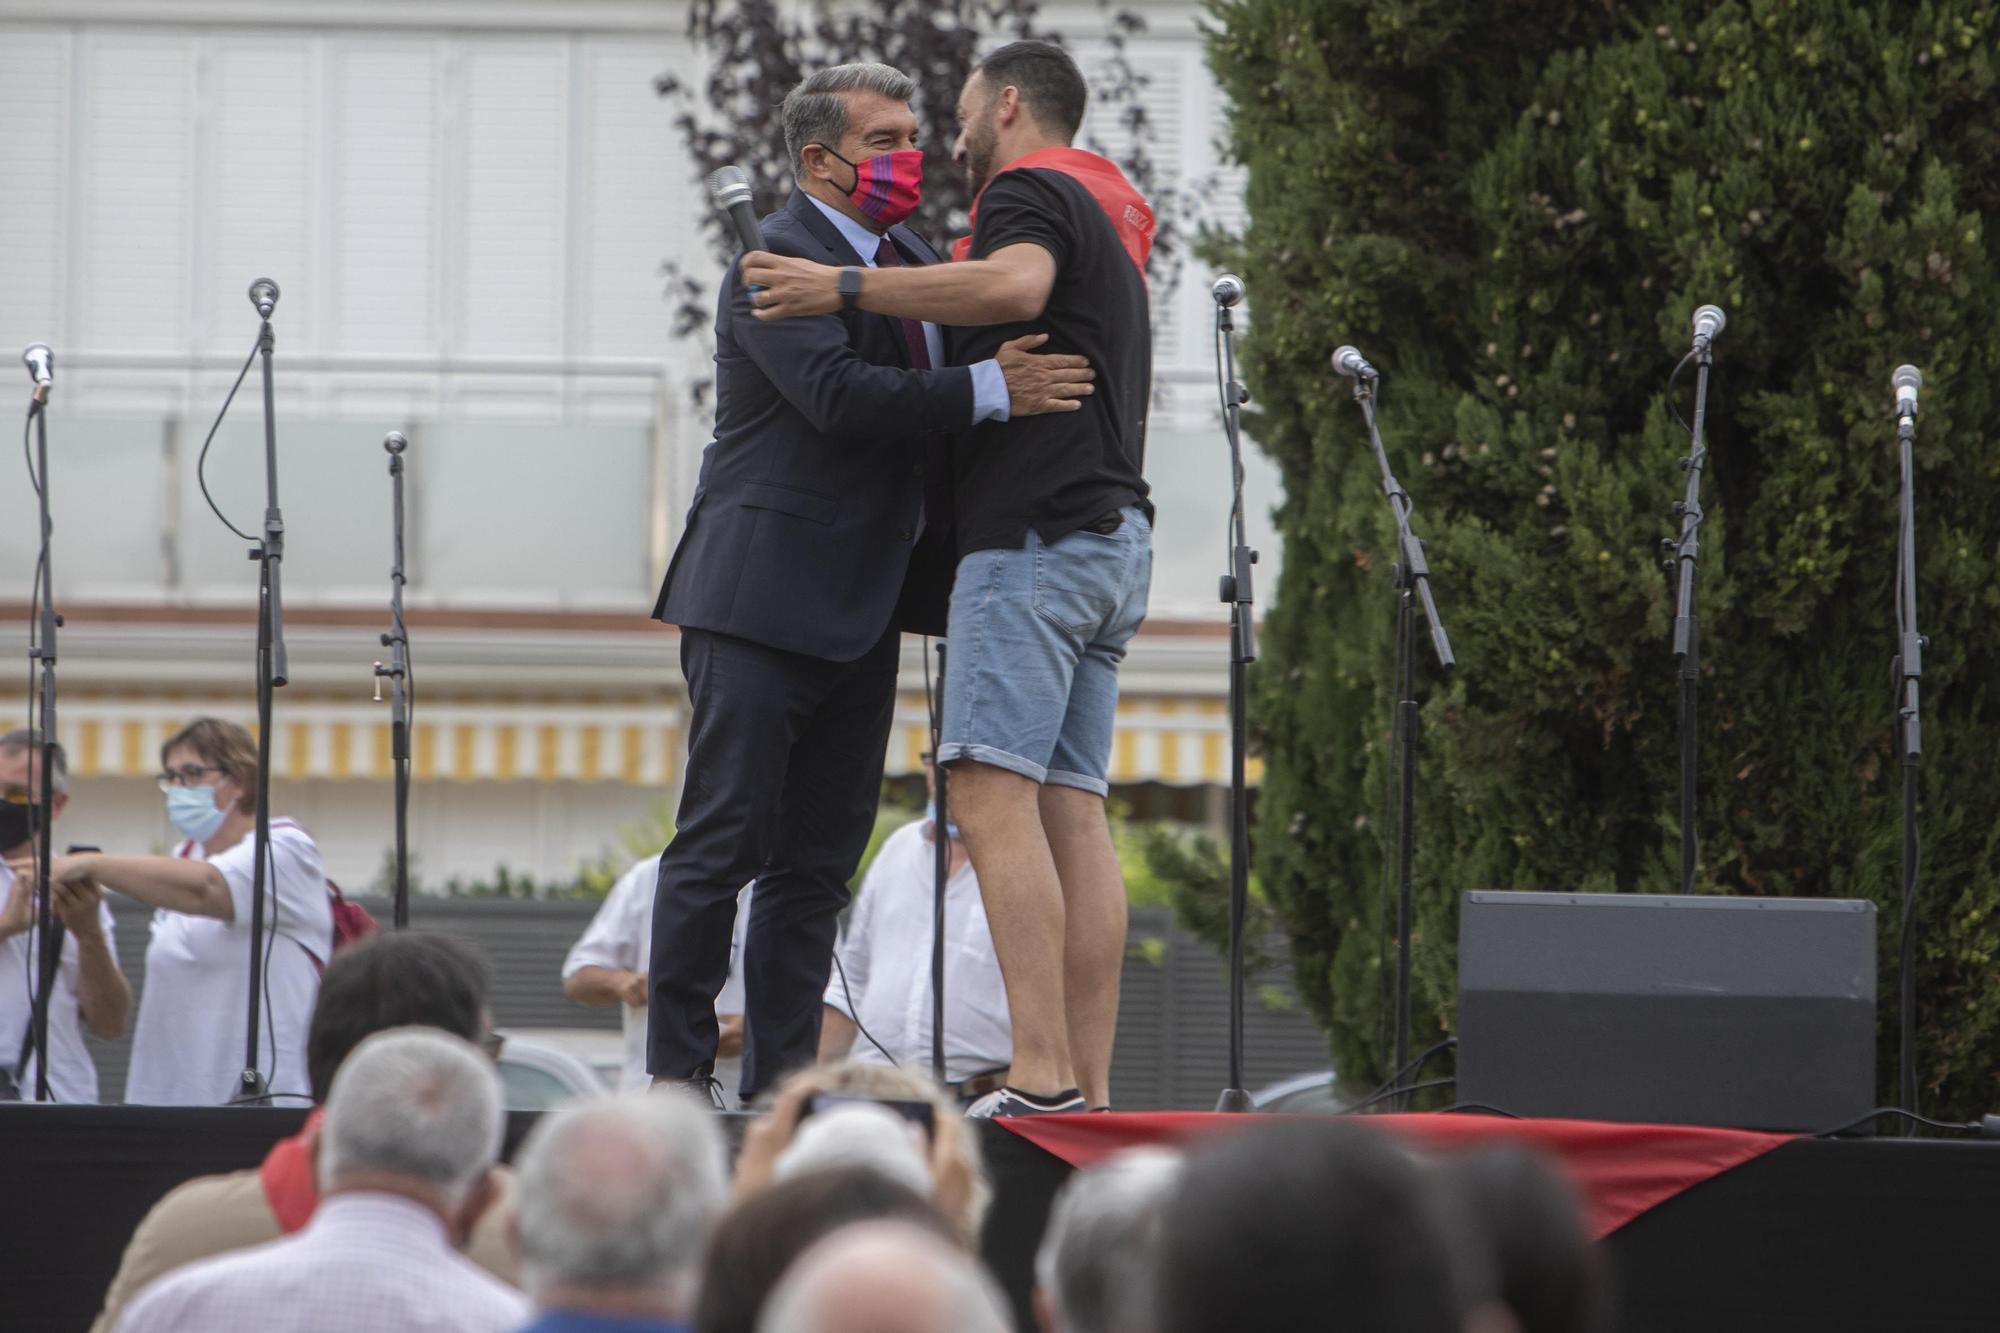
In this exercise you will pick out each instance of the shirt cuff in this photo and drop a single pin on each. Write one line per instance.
(989, 393)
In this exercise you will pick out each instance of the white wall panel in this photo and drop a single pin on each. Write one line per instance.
(385, 183)
(516, 193)
(637, 185)
(34, 152)
(257, 210)
(137, 188)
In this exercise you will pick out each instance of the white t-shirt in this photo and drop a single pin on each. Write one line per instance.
(886, 956)
(72, 1073)
(187, 1048)
(620, 936)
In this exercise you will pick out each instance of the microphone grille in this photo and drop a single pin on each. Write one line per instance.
(729, 185)
(1907, 377)
(1712, 314)
(394, 442)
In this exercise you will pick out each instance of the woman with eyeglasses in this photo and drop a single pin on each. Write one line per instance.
(187, 1047)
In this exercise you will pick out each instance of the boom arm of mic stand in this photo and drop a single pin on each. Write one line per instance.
(1409, 547)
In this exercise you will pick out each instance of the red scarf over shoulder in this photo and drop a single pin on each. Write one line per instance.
(1131, 216)
(287, 1175)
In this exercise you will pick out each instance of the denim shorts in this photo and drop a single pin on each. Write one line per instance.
(1035, 638)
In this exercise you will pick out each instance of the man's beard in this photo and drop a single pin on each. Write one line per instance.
(982, 145)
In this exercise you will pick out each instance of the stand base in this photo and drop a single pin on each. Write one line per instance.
(1234, 1100)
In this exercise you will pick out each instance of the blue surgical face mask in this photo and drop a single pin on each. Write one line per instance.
(950, 829)
(194, 812)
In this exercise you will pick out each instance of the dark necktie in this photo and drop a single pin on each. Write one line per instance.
(937, 451)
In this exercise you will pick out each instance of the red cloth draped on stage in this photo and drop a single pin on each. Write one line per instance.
(1621, 1170)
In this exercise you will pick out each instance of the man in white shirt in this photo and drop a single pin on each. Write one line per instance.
(90, 993)
(878, 999)
(610, 964)
(413, 1128)
(187, 1048)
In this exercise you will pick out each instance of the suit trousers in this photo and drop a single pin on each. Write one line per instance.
(784, 773)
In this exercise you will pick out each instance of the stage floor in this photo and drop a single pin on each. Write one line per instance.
(1861, 1234)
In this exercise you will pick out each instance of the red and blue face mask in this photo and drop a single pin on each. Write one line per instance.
(888, 186)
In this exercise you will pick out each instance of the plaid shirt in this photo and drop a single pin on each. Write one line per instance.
(365, 1261)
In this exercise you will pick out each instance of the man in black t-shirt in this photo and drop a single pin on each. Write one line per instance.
(1055, 550)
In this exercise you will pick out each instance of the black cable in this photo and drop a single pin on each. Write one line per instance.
(855, 1011)
(201, 462)
(1954, 1126)
(1412, 1069)
(1673, 408)
(1396, 1092)
(31, 973)
(1485, 1108)
(253, 1097)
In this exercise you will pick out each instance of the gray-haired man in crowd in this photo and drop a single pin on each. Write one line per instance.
(413, 1129)
(617, 1199)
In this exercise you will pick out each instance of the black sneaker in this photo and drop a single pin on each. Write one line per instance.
(705, 1086)
(1005, 1102)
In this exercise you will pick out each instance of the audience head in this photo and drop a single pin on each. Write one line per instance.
(415, 1112)
(209, 752)
(759, 1239)
(617, 1197)
(1550, 1276)
(957, 1170)
(858, 1134)
(391, 981)
(1309, 1224)
(1096, 1268)
(21, 786)
(885, 1277)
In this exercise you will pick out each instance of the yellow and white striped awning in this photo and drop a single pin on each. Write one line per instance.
(637, 742)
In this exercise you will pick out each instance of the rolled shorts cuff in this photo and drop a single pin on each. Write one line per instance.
(996, 758)
(1081, 781)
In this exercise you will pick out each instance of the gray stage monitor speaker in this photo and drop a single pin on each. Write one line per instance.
(1751, 1012)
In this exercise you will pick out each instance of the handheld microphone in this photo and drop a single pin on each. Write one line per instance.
(1906, 381)
(1348, 361)
(1708, 321)
(730, 189)
(1227, 291)
(394, 442)
(264, 295)
(41, 364)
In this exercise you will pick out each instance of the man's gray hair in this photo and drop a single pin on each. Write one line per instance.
(620, 1192)
(1096, 1261)
(13, 742)
(418, 1103)
(815, 111)
(848, 1283)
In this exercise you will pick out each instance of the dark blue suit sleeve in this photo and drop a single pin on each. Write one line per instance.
(813, 364)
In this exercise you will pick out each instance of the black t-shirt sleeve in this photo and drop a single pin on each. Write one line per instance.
(1017, 209)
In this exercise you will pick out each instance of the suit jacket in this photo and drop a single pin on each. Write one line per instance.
(803, 531)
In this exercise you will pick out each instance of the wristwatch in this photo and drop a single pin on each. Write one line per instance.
(850, 288)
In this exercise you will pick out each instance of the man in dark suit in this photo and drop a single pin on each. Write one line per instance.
(820, 530)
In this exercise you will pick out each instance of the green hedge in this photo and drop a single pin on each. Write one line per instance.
(1513, 208)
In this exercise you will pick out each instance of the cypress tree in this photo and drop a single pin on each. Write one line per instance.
(1513, 208)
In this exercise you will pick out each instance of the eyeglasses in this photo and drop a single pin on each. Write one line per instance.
(188, 775)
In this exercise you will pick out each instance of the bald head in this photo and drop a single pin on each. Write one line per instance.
(885, 1277)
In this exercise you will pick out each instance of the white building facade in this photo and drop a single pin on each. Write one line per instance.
(466, 204)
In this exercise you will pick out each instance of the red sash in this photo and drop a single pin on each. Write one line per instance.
(1131, 216)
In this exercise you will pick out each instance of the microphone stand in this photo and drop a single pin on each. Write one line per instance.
(397, 641)
(1237, 590)
(940, 880)
(271, 673)
(1907, 669)
(1686, 554)
(48, 942)
(1412, 583)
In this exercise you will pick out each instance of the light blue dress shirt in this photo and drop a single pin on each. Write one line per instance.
(989, 386)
